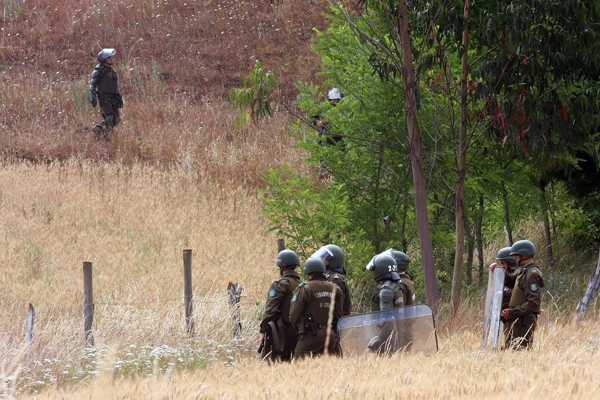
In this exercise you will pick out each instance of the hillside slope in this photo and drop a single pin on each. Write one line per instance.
(201, 46)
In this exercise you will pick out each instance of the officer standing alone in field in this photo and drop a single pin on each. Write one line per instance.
(525, 299)
(315, 309)
(275, 325)
(104, 91)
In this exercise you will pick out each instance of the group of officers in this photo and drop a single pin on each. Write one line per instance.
(300, 317)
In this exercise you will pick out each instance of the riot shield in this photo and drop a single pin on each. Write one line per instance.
(410, 328)
(493, 306)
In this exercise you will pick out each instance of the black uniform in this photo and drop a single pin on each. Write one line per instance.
(524, 306)
(104, 84)
(277, 312)
(315, 309)
(342, 282)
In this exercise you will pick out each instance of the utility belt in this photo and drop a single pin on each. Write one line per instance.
(310, 326)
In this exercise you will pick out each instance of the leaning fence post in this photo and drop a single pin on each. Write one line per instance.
(280, 244)
(187, 291)
(88, 303)
(590, 293)
(234, 290)
(29, 325)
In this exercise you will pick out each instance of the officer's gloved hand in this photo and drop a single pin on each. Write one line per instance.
(92, 98)
(505, 315)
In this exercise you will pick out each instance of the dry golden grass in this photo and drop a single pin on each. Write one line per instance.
(45, 119)
(200, 46)
(132, 222)
(563, 365)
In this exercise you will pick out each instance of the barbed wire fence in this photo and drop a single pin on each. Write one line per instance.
(187, 306)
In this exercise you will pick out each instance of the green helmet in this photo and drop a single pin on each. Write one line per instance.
(337, 263)
(385, 268)
(401, 259)
(314, 266)
(523, 248)
(504, 255)
(287, 259)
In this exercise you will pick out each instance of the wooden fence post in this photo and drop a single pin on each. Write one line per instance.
(280, 244)
(29, 325)
(88, 303)
(188, 291)
(234, 290)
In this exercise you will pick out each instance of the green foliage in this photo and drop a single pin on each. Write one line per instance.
(367, 176)
(253, 99)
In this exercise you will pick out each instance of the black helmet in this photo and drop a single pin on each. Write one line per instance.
(314, 266)
(401, 259)
(287, 259)
(385, 268)
(523, 248)
(105, 54)
(337, 262)
(504, 255)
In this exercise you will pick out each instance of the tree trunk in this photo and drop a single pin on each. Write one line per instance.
(552, 209)
(459, 203)
(416, 157)
(479, 238)
(507, 225)
(376, 221)
(547, 229)
(470, 251)
(590, 292)
(403, 239)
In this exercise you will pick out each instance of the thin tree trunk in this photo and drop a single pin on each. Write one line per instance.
(470, 252)
(479, 238)
(459, 203)
(403, 239)
(507, 225)
(416, 157)
(547, 229)
(555, 236)
(376, 221)
(590, 292)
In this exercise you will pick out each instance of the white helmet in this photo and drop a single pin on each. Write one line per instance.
(105, 54)
(335, 94)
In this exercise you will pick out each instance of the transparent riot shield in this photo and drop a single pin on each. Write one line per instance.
(410, 328)
(492, 325)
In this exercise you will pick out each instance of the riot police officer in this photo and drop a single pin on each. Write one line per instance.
(315, 309)
(525, 300)
(402, 279)
(335, 266)
(388, 293)
(104, 91)
(279, 336)
(406, 282)
(506, 261)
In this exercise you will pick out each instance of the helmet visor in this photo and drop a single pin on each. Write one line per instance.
(324, 254)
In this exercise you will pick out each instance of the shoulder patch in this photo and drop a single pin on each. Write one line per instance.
(272, 293)
(534, 287)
